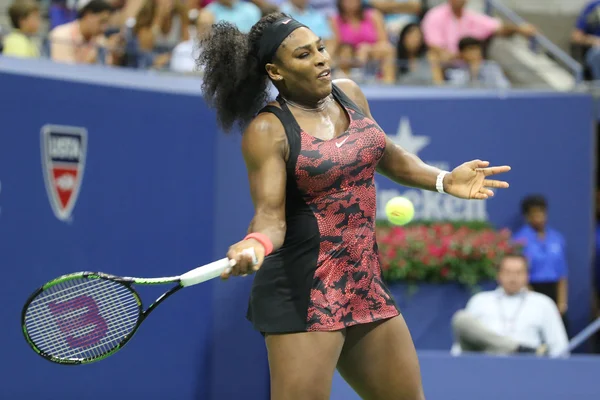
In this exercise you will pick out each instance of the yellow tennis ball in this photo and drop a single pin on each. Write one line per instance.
(399, 210)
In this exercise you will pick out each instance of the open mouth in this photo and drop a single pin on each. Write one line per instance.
(326, 74)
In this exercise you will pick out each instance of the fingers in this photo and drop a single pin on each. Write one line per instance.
(477, 164)
(495, 170)
(495, 184)
(243, 259)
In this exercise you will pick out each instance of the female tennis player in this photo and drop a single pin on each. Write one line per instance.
(318, 296)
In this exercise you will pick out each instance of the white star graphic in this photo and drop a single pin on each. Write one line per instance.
(405, 138)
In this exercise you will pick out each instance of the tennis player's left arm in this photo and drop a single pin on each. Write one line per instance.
(397, 164)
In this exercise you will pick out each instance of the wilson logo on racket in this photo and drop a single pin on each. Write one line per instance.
(80, 321)
(63, 160)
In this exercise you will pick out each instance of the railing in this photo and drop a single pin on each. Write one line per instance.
(539, 40)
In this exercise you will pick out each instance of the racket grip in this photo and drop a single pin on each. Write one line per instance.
(210, 271)
(205, 272)
(249, 252)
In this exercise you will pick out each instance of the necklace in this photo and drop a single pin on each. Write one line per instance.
(509, 323)
(320, 106)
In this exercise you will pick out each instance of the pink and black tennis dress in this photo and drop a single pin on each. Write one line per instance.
(327, 274)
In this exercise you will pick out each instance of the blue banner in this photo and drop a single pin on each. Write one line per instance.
(143, 206)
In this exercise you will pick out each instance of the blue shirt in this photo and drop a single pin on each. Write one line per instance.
(315, 20)
(242, 14)
(547, 257)
(589, 19)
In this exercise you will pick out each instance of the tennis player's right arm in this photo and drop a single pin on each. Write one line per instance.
(263, 148)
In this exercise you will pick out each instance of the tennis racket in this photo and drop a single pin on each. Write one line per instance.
(85, 317)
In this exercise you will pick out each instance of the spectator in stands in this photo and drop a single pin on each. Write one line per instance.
(415, 61)
(301, 11)
(510, 319)
(25, 19)
(587, 35)
(346, 64)
(184, 55)
(397, 14)
(364, 29)
(82, 41)
(445, 24)
(160, 26)
(242, 14)
(472, 70)
(545, 250)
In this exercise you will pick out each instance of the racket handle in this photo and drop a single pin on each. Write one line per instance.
(210, 271)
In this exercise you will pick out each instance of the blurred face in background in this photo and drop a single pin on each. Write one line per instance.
(349, 7)
(31, 23)
(413, 40)
(536, 217)
(457, 5)
(513, 275)
(96, 24)
(472, 54)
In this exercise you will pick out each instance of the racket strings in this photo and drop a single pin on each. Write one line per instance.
(82, 326)
(73, 323)
(81, 318)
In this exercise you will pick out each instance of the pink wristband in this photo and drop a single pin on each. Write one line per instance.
(262, 239)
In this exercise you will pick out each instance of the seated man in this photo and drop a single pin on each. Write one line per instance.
(83, 41)
(511, 319)
(444, 26)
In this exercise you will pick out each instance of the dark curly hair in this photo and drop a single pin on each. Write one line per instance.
(234, 82)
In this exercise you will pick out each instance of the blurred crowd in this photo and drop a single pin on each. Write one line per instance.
(386, 41)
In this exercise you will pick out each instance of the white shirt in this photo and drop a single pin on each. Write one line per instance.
(183, 57)
(529, 318)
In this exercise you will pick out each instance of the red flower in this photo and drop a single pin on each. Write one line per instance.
(391, 252)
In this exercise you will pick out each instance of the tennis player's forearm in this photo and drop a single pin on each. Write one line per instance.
(409, 170)
(273, 228)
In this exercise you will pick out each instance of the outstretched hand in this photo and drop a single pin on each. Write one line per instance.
(469, 180)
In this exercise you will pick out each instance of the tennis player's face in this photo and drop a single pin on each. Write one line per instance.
(304, 65)
(512, 275)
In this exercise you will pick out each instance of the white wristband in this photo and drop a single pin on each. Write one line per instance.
(439, 182)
